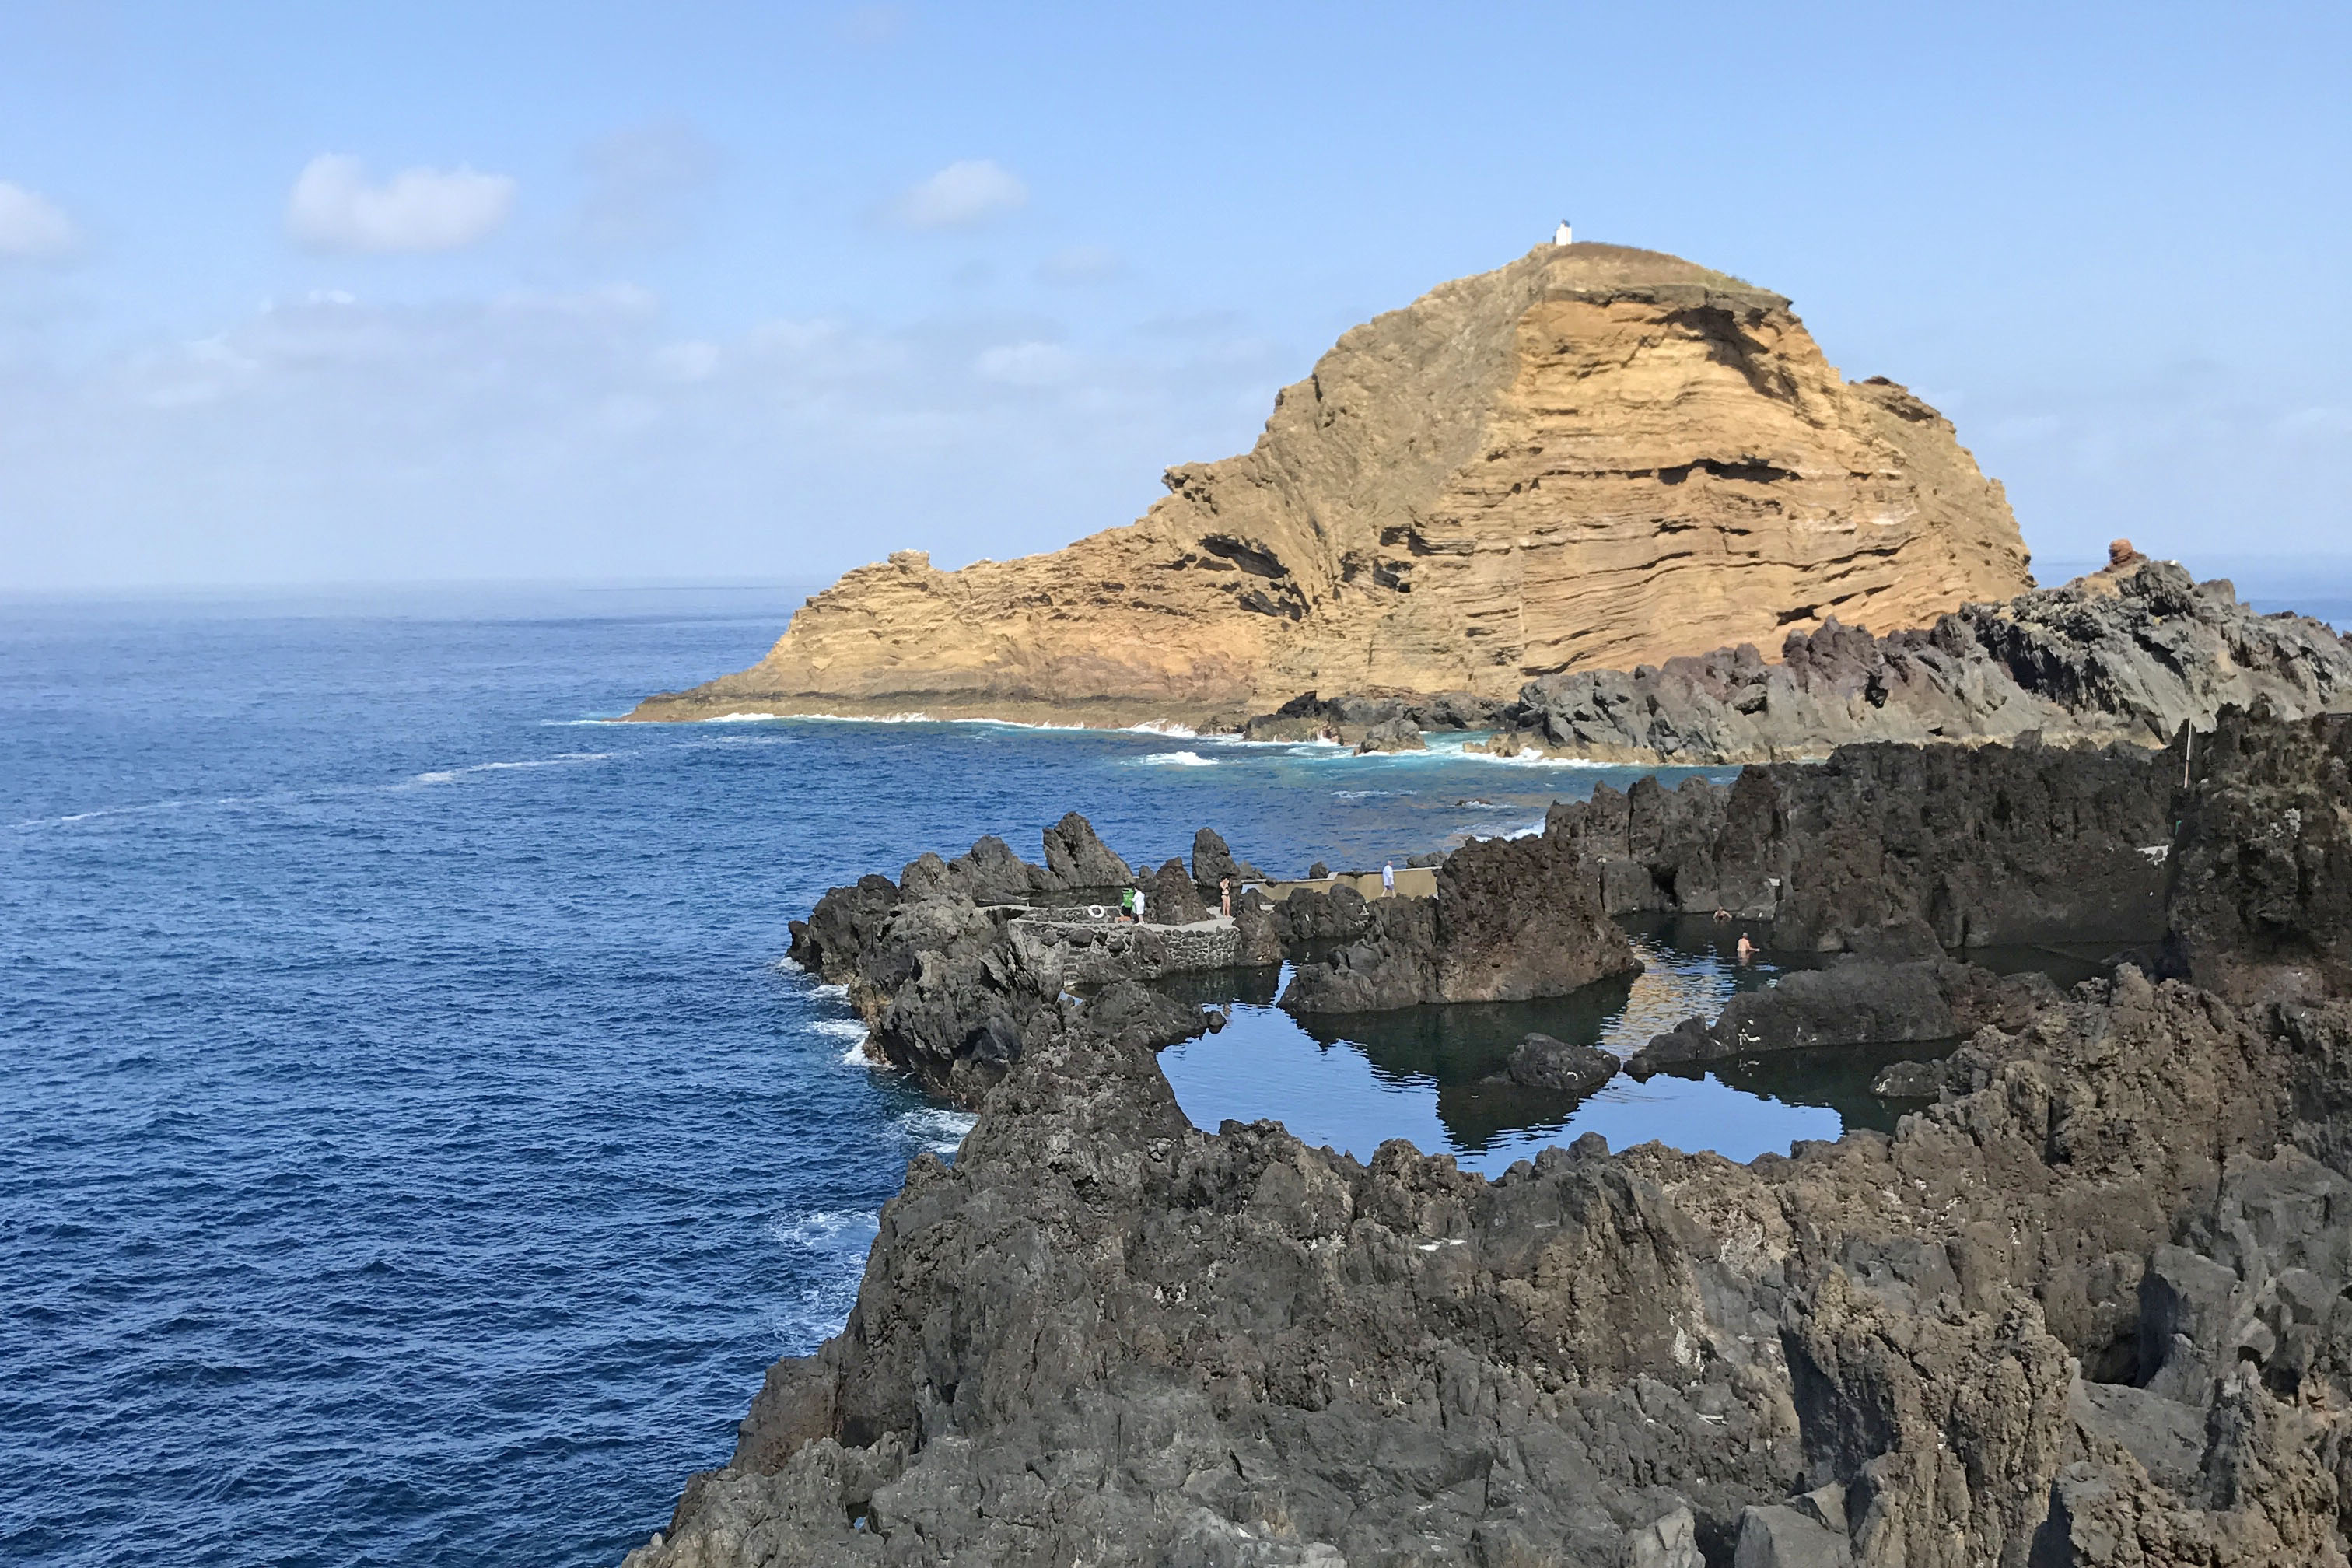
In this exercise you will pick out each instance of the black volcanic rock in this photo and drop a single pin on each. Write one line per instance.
(1105, 1335)
(2261, 882)
(2128, 654)
(1136, 1018)
(1539, 1061)
(1311, 916)
(1894, 851)
(1858, 1002)
(2095, 1296)
(1212, 862)
(1391, 735)
(1512, 920)
(1171, 898)
(1260, 932)
(1075, 858)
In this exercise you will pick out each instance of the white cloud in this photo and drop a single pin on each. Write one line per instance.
(333, 207)
(33, 227)
(964, 193)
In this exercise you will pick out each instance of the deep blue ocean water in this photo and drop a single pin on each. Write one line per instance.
(411, 1148)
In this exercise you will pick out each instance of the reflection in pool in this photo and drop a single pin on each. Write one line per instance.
(1432, 1074)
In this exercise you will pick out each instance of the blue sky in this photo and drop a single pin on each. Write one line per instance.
(302, 293)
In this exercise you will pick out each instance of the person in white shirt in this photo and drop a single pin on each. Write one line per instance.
(1388, 879)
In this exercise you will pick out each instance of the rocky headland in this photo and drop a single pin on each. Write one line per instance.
(2092, 1304)
(1592, 458)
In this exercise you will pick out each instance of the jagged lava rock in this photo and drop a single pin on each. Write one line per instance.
(1541, 1061)
(2130, 654)
(1592, 455)
(1512, 919)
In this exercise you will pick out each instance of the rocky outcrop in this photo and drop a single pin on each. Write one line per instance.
(952, 967)
(2092, 1305)
(1075, 857)
(1559, 1066)
(1512, 919)
(1592, 457)
(1391, 735)
(1859, 1002)
(1213, 864)
(2131, 655)
(2260, 899)
(2097, 1291)
(1895, 851)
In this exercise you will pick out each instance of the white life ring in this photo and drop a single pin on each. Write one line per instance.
(1096, 910)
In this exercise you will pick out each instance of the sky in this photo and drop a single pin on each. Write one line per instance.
(296, 294)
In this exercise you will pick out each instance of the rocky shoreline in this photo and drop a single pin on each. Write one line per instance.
(2129, 654)
(2092, 1304)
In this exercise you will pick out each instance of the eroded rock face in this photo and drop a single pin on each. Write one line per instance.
(2128, 654)
(1894, 851)
(1512, 920)
(1590, 456)
(2262, 885)
(1861, 1002)
(951, 977)
(2092, 1305)
(1107, 1336)
(1542, 1062)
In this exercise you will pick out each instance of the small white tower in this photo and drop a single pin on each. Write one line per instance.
(1563, 235)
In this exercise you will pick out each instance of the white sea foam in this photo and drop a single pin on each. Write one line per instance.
(1370, 793)
(1528, 757)
(830, 992)
(1167, 726)
(831, 718)
(940, 1132)
(1177, 760)
(840, 1028)
(741, 719)
(828, 1230)
(568, 759)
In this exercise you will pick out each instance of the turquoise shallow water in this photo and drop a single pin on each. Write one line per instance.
(410, 1149)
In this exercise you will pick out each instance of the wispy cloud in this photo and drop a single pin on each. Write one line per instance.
(333, 207)
(33, 227)
(963, 195)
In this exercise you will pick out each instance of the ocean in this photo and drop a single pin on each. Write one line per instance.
(411, 1147)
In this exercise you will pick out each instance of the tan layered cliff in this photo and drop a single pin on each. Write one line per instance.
(1593, 457)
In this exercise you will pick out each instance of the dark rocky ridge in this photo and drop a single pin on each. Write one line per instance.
(1859, 1002)
(2126, 655)
(2095, 1297)
(2094, 1305)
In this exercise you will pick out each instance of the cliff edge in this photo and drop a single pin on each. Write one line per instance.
(1592, 457)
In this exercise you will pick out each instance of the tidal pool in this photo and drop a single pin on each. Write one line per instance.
(1433, 1075)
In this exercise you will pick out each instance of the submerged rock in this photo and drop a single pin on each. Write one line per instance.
(1391, 735)
(1539, 1061)
(1858, 1002)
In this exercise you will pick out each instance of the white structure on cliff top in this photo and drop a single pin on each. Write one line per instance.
(1563, 235)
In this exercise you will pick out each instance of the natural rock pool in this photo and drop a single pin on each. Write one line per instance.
(1434, 1075)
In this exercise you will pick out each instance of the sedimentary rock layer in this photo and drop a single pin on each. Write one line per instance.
(1592, 457)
